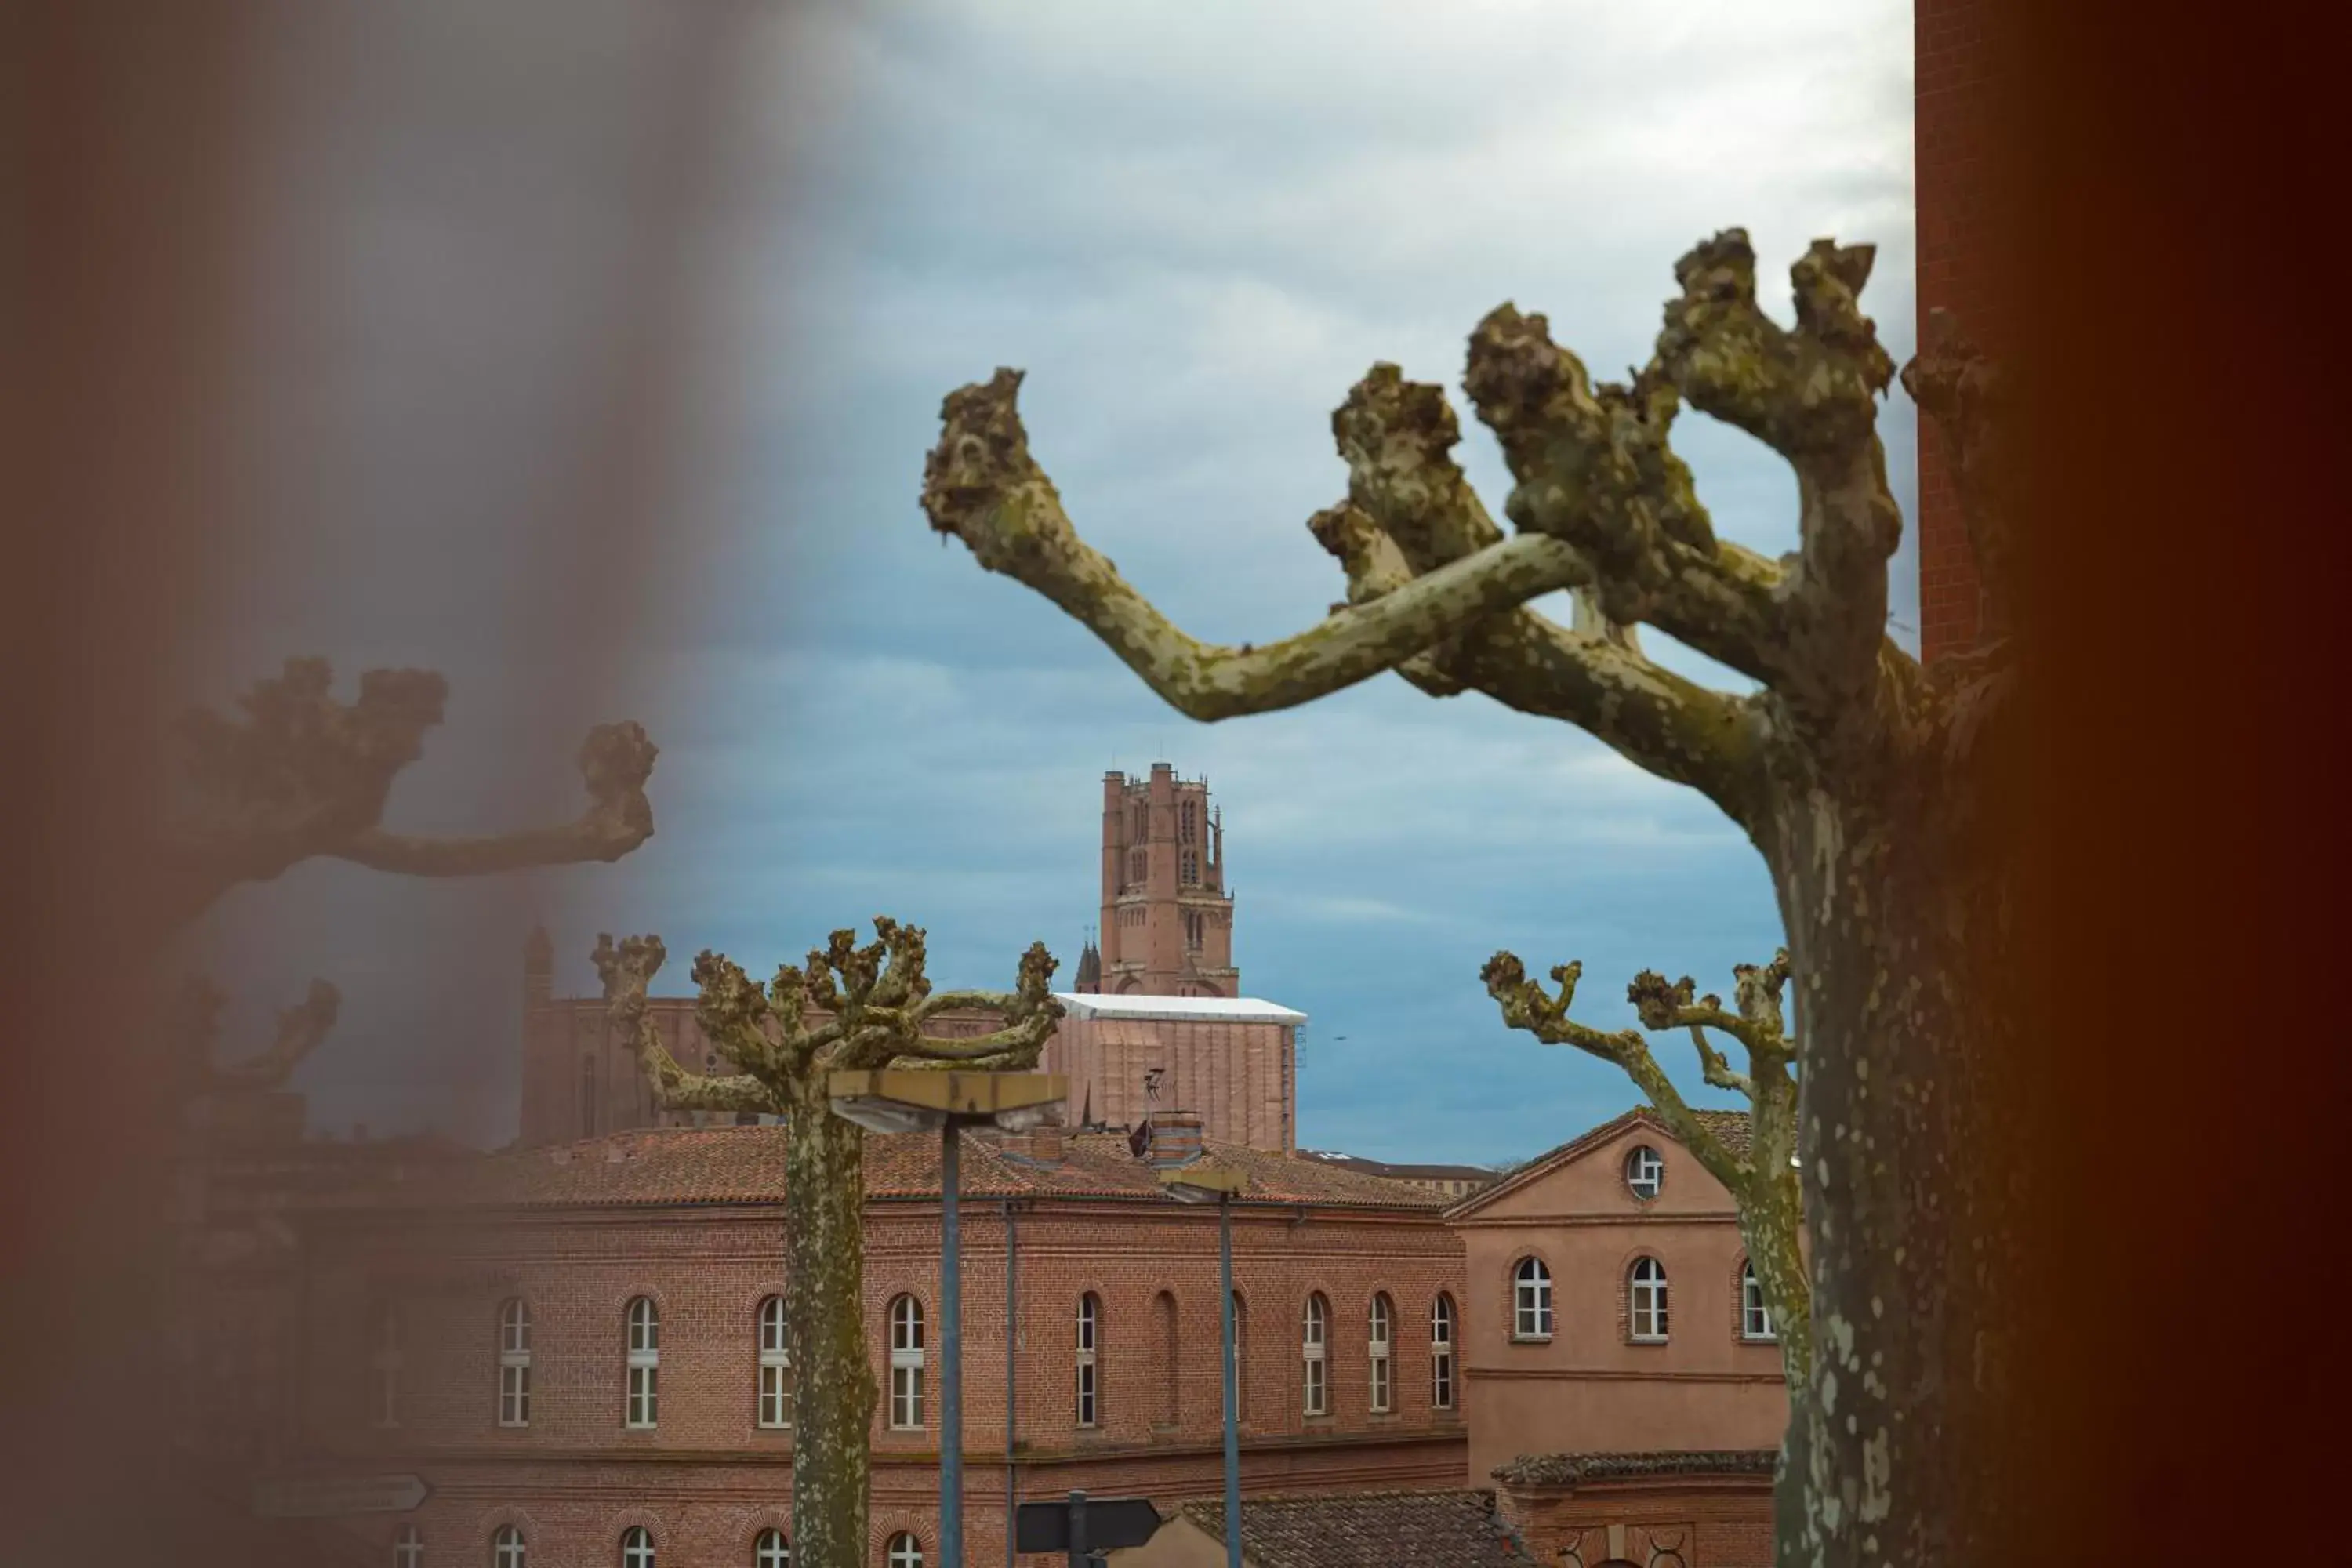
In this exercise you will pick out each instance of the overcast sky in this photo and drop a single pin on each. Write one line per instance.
(1195, 225)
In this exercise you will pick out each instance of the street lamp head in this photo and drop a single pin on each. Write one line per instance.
(904, 1100)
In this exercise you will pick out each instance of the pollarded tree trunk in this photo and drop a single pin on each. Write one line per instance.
(833, 1392)
(1858, 774)
(1895, 918)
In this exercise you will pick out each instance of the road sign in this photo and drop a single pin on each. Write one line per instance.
(1103, 1524)
(330, 1496)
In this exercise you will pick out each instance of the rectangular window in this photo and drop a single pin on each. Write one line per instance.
(644, 1394)
(906, 1396)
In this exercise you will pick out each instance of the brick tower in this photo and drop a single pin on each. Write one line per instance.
(1166, 915)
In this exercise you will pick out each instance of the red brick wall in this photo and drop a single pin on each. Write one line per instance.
(1957, 85)
(1708, 1522)
(706, 1476)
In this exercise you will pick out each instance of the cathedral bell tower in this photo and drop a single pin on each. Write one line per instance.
(1167, 913)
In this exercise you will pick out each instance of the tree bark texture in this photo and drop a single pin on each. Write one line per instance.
(1856, 771)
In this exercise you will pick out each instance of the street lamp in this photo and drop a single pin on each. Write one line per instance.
(1201, 1183)
(898, 1100)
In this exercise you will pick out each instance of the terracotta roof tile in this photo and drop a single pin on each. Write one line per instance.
(746, 1164)
(1371, 1529)
(1567, 1469)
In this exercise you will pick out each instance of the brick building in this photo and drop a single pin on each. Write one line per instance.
(1956, 104)
(1611, 1309)
(559, 1269)
(1155, 1015)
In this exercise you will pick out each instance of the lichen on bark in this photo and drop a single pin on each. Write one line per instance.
(1854, 771)
(846, 1007)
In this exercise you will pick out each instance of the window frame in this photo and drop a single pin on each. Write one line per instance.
(407, 1547)
(903, 1550)
(508, 1547)
(1443, 1318)
(1314, 1356)
(1531, 1303)
(907, 1362)
(1646, 1288)
(771, 1548)
(1756, 1325)
(384, 1360)
(641, 1406)
(772, 1406)
(1379, 1351)
(514, 1363)
(1086, 1373)
(636, 1547)
(1644, 1163)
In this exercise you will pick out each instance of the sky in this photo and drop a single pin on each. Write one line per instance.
(1194, 226)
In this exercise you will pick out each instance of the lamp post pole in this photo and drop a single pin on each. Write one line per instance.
(1232, 1391)
(950, 1350)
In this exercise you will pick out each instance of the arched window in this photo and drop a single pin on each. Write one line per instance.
(907, 1367)
(1645, 1171)
(905, 1552)
(514, 1363)
(1649, 1288)
(1164, 1308)
(775, 1365)
(771, 1551)
(408, 1547)
(1089, 1332)
(506, 1547)
(1755, 1319)
(645, 1363)
(1531, 1300)
(1441, 1353)
(1241, 1358)
(1314, 1336)
(636, 1548)
(384, 1364)
(1376, 1346)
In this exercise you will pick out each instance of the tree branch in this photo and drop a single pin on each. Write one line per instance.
(300, 775)
(1525, 1005)
(627, 969)
(615, 762)
(1813, 396)
(982, 485)
(301, 1029)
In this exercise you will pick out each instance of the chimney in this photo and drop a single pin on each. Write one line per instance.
(1041, 1145)
(1175, 1138)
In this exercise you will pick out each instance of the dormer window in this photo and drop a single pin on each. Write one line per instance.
(1645, 1172)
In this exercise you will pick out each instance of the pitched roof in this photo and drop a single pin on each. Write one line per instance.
(746, 1165)
(1370, 1529)
(1567, 1469)
(1399, 1172)
(1731, 1128)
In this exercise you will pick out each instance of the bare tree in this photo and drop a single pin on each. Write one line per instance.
(1854, 769)
(1762, 1180)
(301, 776)
(847, 1008)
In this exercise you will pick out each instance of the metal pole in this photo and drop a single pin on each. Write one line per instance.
(1233, 1392)
(1012, 1382)
(1078, 1530)
(951, 1353)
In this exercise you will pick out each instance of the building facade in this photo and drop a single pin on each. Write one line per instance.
(570, 1345)
(1611, 1307)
